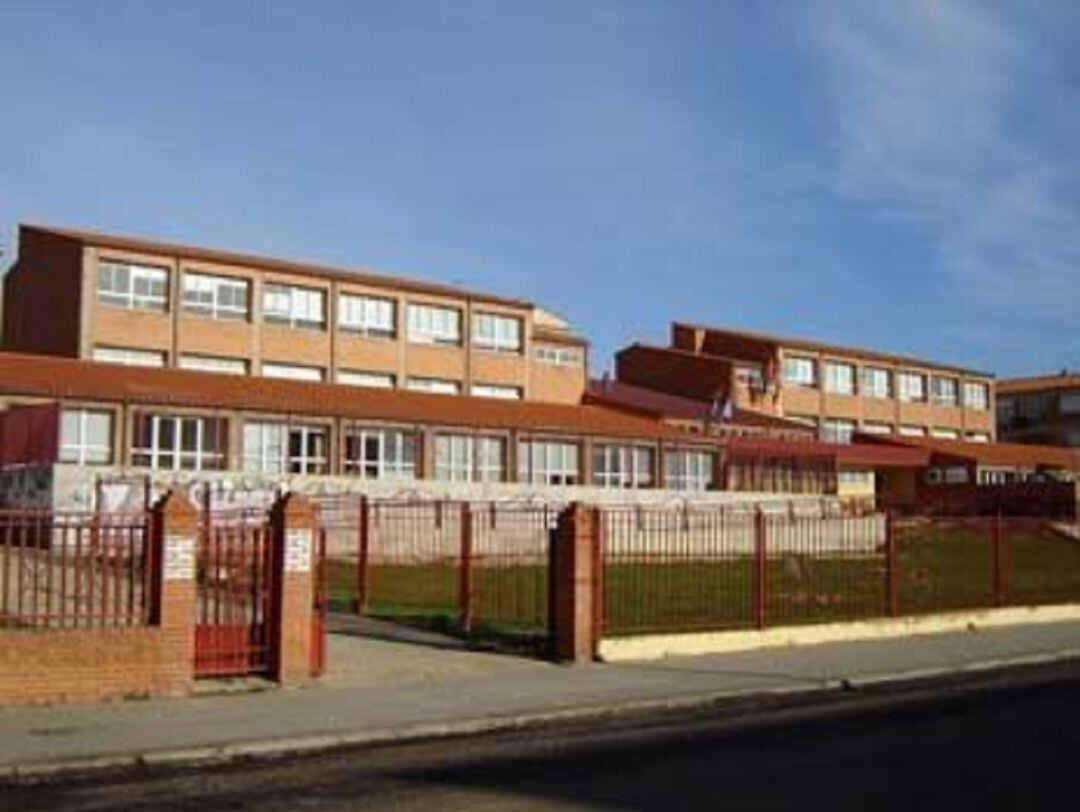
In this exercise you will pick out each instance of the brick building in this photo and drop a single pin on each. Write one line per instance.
(1044, 410)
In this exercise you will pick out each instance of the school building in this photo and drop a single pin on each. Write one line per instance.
(1044, 409)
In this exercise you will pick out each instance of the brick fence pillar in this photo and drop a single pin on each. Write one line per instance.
(174, 533)
(292, 520)
(574, 572)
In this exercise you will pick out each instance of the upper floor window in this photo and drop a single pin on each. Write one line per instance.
(944, 391)
(622, 466)
(277, 448)
(912, 387)
(375, 380)
(294, 306)
(371, 316)
(430, 324)
(875, 383)
(438, 386)
(1069, 402)
(213, 363)
(911, 431)
(467, 458)
(136, 287)
(498, 333)
(839, 378)
(490, 390)
(871, 427)
(837, 431)
(292, 372)
(166, 442)
(800, 371)
(381, 453)
(546, 462)
(86, 436)
(128, 356)
(978, 437)
(688, 470)
(976, 395)
(945, 434)
(558, 356)
(219, 297)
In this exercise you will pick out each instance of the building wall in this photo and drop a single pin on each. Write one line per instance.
(1049, 416)
(41, 296)
(693, 376)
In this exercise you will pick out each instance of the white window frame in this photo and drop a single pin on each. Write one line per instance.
(876, 428)
(980, 401)
(688, 470)
(623, 466)
(907, 392)
(433, 324)
(800, 370)
(497, 333)
(294, 306)
(224, 298)
(152, 279)
(910, 431)
(436, 386)
(839, 378)
(549, 462)
(497, 391)
(213, 363)
(268, 448)
(876, 383)
(470, 458)
(292, 372)
(372, 380)
(128, 356)
(396, 453)
(837, 430)
(76, 445)
(202, 459)
(944, 391)
(366, 315)
(557, 356)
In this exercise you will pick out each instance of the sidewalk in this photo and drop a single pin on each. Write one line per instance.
(382, 689)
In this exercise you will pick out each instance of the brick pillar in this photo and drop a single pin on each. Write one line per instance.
(575, 569)
(292, 521)
(174, 525)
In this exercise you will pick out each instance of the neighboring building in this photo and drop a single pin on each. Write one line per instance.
(1044, 410)
(143, 303)
(837, 391)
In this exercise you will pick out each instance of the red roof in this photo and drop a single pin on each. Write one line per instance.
(1039, 383)
(1003, 455)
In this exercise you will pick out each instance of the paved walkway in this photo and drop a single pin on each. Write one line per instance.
(382, 688)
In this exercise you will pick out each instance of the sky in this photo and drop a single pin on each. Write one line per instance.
(901, 175)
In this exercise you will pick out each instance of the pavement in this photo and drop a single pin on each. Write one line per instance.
(386, 684)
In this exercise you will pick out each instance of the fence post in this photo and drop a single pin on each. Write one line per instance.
(998, 541)
(761, 579)
(171, 584)
(292, 534)
(572, 578)
(892, 568)
(363, 557)
(465, 574)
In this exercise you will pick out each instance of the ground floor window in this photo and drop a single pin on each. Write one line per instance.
(381, 453)
(469, 458)
(278, 448)
(548, 462)
(623, 466)
(688, 470)
(86, 436)
(179, 442)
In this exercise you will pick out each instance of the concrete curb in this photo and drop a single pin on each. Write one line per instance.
(266, 749)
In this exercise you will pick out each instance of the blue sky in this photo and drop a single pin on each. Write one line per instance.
(899, 175)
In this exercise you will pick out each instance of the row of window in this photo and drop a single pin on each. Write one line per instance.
(191, 443)
(145, 287)
(838, 430)
(876, 382)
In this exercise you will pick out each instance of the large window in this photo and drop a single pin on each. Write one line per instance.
(292, 372)
(547, 462)
(623, 466)
(371, 316)
(837, 431)
(944, 391)
(558, 356)
(136, 287)
(374, 380)
(491, 390)
(800, 371)
(294, 306)
(381, 453)
(438, 386)
(912, 387)
(128, 356)
(976, 396)
(277, 448)
(214, 363)
(86, 436)
(179, 443)
(219, 297)
(688, 470)
(839, 379)
(498, 333)
(875, 383)
(465, 458)
(429, 324)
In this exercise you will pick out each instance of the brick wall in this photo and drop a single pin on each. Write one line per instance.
(676, 372)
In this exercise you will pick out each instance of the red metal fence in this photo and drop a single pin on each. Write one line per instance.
(74, 570)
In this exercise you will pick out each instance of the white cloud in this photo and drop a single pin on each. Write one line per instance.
(941, 116)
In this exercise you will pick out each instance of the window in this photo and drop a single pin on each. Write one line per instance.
(376, 380)
(179, 443)
(800, 371)
(837, 431)
(558, 356)
(945, 434)
(370, 316)
(219, 297)
(840, 379)
(490, 390)
(978, 437)
(277, 448)
(381, 453)
(688, 470)
(86, 437)
(129, 357)
(861, 479)
(751, 376)
(438, 386)
(803, 420)
(135, 287)
(548, 462)
(911, 431)
(293, 372)
(211, 363)
(622, 466)
(464, 458)
(875, 383)
(876, 428)
(429, 324)
(976, 396)
(498, 333)
(912, 387)
(294, 306)
(1069, 403)
(944, 391)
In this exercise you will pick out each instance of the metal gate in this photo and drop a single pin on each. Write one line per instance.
(235, 592)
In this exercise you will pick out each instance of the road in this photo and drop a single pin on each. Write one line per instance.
(1006, 745)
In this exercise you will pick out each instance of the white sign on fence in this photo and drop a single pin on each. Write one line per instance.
(298, 551)
(179, 563)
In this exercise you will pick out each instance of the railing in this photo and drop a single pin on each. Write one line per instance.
(74, 570)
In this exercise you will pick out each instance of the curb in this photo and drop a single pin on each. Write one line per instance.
(267, 749)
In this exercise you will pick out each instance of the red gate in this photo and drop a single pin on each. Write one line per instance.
(234, 597)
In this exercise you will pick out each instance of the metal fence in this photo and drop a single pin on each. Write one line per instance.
(74, 570)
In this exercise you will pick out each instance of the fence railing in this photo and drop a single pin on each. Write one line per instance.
(74, 570)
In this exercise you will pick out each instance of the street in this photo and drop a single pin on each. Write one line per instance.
(1009, 747)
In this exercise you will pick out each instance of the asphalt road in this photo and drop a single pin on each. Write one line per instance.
(995, 744)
